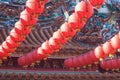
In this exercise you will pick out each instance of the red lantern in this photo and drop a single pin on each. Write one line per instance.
(34, 55)
(47, 49)
(99, 52)
(57, 36)
(21, 61)
(34, 8)
(107, 47)
(96, 3)
(65, 29)
(115, 42)
(6, 48)
(75, 62)
(27, 19)
(118, 62)
(113, 51)
(11, 43)
(75, 21)
(84, 8)
(69, 63)
(80, 60)
(72, 32)
(2, 53)
(93, 57)
(88, 58)
(53, 44)
(114, 63)
(31, 57)
(102, 64)
(41, 53)
(21, 29)
(15, 36)
(109, 64)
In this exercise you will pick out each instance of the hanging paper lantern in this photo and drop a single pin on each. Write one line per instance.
(118, 62)
(89, 59)
(69, 63)
(75, 22)
(84, 10)
(72, 32)
(21, 29)
(34, 55)
(27, 19)
(107, 47)
(15, 36)
(21, 61)
(75, 62)
(114, 63)
(47, 49)
(93, 57)
(53, 44)
(65, 29)
(96, 3)
(99, 52)
(63, 39)
(65, 62)
(80, 60)
(2, 53)
(11, 43)
(41, 53)
(115, 42)
(102, 65)
(7, 49)
(57, 36)
(31, 58)
(34, 7)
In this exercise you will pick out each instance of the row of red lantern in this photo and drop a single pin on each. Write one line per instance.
(83, 60)
(66, 31)
(21, 29)
(96, 3)
(108, 48)
(89, 57)
(95, 55)
(112, 64)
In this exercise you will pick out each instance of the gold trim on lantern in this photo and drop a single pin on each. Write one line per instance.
(84, 67)
(98, 6)
(96, 63)
(111, 56)
(37, 62)
(78, 30)
(71, 68)
(78, 68)
(0, 61)
(84, 19)
(89, 65)
(45, 59)
(101, 59)
(118, 50)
